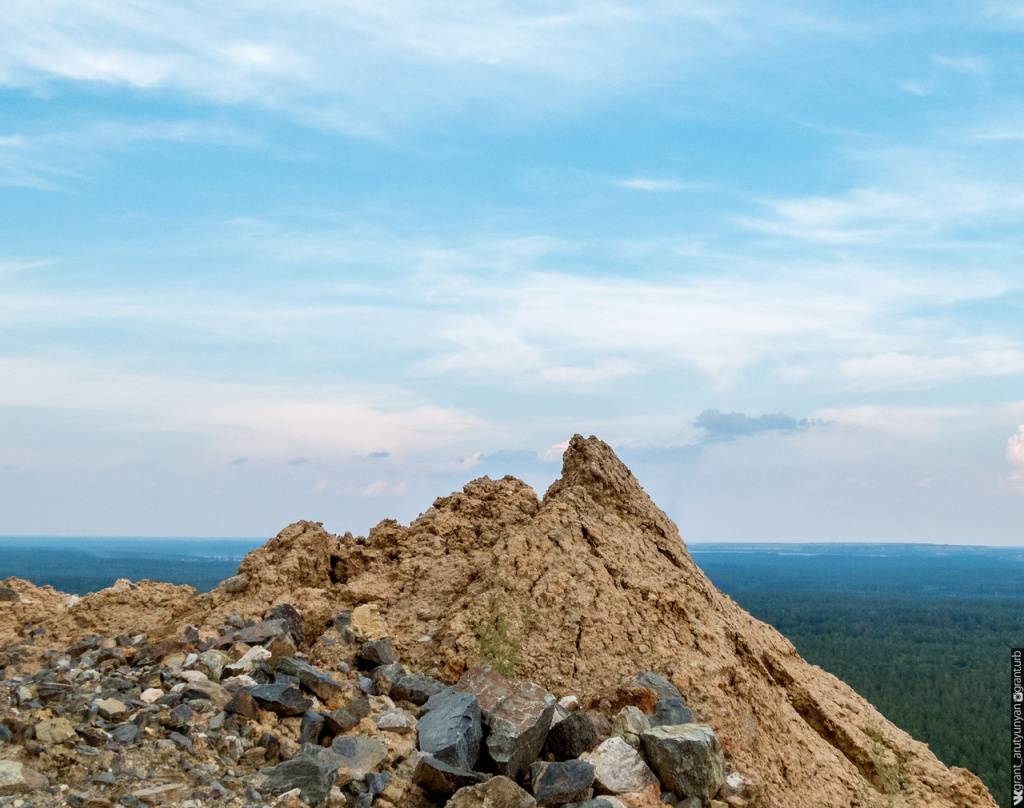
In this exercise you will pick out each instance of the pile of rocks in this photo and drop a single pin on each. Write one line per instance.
(240, 718)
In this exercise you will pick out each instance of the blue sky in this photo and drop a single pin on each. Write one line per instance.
(263, 262)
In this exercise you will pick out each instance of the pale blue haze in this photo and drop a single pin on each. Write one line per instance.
(262, 262)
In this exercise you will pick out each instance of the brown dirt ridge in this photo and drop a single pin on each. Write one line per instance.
(577, 591)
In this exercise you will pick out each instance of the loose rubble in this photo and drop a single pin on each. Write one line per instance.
(217, 719)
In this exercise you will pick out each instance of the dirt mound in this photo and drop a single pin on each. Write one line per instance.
(577, 591)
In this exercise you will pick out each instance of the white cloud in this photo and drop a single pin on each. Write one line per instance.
(360, 66)
(1015, 457)
(922, 89)
(657, 185)
(963, 64)
(255, 420)
(893, 370)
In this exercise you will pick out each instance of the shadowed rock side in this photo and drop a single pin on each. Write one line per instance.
(578, 592)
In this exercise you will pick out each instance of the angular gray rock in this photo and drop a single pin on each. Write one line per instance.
(374, 653)
(383, 677)
(262, 633)
(282, 699)
(671, 713)
(357, 753)
(340, 721)
(452, 731)
(571, 737)
(688, 759)
(415, 688)
(313, 776)
(659, 684)
(317, 682)
(561, 782)
(440, 779)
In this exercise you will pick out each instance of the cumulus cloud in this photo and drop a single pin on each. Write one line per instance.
(1015, 456)
(726, 426)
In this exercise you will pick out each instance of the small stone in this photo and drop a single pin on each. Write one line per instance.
(688, 759)
(440, 779)
(160, 795)
(359, 754)
(205, 689)
(312, 727)
(313, 776)
(337, 722)
(373, 653)
(8, 595)
(212, 663)
(111, 709)
(126, 733)
(296, 625)
(398, 721)
(150, 695)
(317, 682)
(242, 703)
(246, 662)
(383, 678)
(16, 778)
(262, 633)
(281, 699)
(415, 688)
(55, 731)
(498, 792)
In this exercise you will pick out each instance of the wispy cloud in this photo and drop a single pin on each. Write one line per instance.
(656, 185)
(360, 66)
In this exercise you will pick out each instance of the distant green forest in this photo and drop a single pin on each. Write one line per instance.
(923, 632)
(937, 668)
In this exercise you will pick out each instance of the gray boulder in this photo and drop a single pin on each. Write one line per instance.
(561, 782)
(688, 759)
(452, 731)
(571, 737)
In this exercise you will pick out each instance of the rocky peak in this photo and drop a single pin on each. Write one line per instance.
(577, 592)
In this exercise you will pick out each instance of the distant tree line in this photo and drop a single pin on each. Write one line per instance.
(937, 667)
